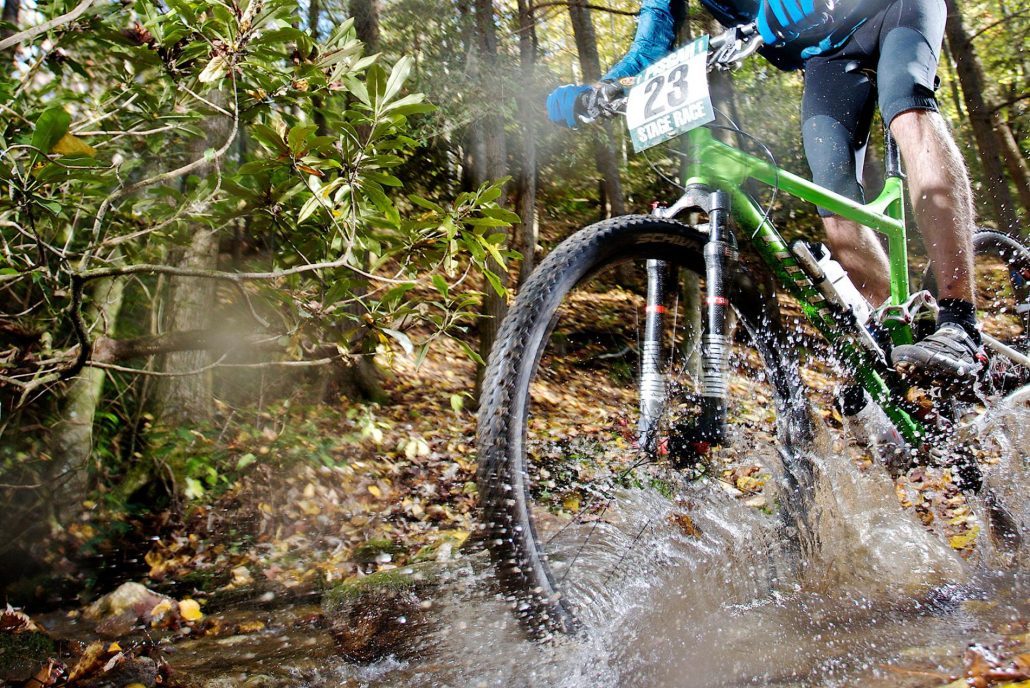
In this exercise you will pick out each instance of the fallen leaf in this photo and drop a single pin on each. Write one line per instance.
(965, 540)
(252, 626)
(190, 610)
(159, 611)
(89, 661)
(686, 525)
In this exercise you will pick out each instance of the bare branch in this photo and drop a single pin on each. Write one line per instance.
(1009, 102)
(109, 350)
(129, 132)
(29, 34)
(235, 277)
(218, 364)
(206, 101)
(79, 326)
(169, 174)
(599, 8)
(157, 373)
(19, 275)
(1003, 20)
(75, 128)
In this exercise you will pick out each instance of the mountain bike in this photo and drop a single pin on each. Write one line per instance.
(644, 344)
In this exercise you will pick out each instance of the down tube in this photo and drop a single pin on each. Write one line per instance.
(773, 249)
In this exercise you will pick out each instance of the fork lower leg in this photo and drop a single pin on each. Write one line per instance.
(652, 356)
(720, 255)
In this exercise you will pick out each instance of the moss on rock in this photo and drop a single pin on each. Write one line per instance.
(382, 614)
(374, 550)
(21, 654)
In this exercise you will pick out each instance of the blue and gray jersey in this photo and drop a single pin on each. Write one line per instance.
(794, 30)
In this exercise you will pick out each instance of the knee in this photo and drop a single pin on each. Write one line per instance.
(914, 124)
(840, 240)
(844, 236)
(833, 156)
(921, 131)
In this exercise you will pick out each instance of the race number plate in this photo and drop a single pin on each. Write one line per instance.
(670, 97)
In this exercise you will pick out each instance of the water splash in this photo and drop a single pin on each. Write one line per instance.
(728, 602)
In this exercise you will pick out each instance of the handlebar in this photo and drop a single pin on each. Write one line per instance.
(730, 48)
(725, 51)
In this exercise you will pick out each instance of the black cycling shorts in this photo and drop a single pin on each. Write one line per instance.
(900, 44)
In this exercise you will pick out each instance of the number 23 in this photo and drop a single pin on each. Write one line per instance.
(676, 96)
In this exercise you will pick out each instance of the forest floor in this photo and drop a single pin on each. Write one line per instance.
(310, 498)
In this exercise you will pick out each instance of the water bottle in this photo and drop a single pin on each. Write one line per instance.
(831, 279)
(839, 281)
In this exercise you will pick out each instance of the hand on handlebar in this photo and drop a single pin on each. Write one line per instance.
(562, 104)
(605, 99)
(572, 105)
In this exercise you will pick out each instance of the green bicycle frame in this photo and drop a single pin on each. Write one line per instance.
(716, 165)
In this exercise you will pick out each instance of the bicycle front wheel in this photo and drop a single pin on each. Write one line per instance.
(569, 495)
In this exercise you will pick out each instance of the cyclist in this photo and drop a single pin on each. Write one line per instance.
(839, 45)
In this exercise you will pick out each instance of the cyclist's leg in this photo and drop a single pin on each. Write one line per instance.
(837, 109)
(910, 41)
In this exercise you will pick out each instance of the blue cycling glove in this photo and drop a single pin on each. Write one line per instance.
(781, 21)
(561, 104)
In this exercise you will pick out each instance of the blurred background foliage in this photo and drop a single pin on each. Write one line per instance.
(214, 206)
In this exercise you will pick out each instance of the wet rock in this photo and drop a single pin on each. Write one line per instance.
(444, 548)
(117, 612)
(129, 671)
(255, 681)
(24, 647)
(380, 615)
(376, 551)
(222, 682)
(263, 681)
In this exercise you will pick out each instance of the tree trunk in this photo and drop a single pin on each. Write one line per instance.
(186, 396)
(317, 113)
(12, 8)
(9, 16)
(71, 438)
(1015, 163)
(490, 162)
(970, 74)
(366, 23)
(956, 97)
(527, 232)
(604, 150)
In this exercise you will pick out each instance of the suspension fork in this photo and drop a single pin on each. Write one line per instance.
(653, 389)
(720, 257)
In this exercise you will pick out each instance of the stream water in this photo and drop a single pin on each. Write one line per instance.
(875, 600)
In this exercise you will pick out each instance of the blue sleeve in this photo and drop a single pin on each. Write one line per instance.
(657, 25)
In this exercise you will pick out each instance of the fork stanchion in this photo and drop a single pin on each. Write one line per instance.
(720, 254)
(652, 364)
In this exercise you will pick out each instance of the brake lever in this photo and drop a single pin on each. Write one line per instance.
(733, 46)
(606, 101)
